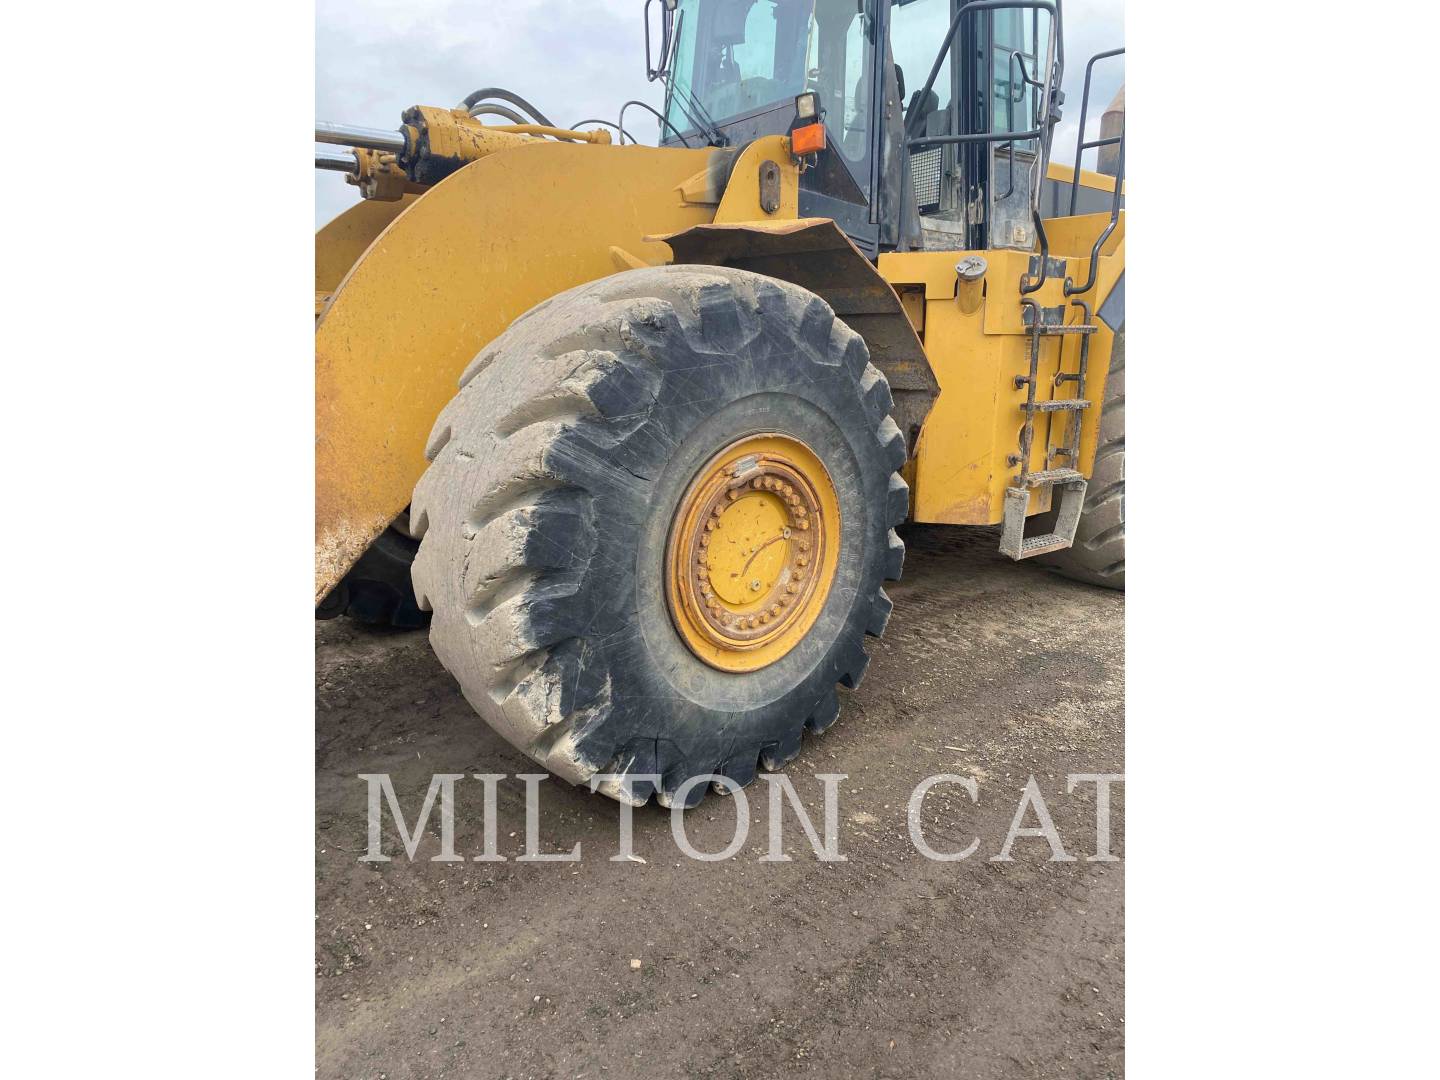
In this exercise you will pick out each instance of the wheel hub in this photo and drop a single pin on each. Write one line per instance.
(752, 552)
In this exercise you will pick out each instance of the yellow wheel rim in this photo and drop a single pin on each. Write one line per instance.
(752, 552)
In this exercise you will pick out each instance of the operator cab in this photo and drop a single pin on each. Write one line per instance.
(911, 161)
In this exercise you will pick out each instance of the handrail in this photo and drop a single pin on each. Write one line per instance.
(1072, 290)
(979, 136)
(978, 5)
(1047, 115)
(1081, 146)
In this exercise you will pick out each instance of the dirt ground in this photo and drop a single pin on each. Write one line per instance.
(885, 965)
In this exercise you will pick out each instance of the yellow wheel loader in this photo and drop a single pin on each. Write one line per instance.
(638, 423)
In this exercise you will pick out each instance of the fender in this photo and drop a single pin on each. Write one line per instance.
(815, 254)
(442, 279)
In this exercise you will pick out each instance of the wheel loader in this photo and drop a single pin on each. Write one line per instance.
(633, 426)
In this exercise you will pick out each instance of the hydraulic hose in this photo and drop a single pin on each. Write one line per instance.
(480, 95)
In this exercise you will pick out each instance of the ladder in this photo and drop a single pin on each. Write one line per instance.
(1070, 482)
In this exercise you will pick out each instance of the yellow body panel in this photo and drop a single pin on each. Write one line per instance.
(339, 245)
(447, 275)
(1063, 173)
(741, 202)
(960, 468)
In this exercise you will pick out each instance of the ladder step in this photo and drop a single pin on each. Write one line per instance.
(1054, 476)
(1043, 545)
(1015, 543)
(1058, 405)
(1050, 331)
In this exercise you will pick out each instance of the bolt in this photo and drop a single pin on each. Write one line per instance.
(803, 560)
(755, 585)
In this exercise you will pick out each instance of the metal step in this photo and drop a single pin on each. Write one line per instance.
(1016, 544)
(1057, 405)
(1054, 476)
(1053, 331)
(1042, 545)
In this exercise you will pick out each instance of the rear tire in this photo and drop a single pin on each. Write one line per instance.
(1098, 555)
(545, 514)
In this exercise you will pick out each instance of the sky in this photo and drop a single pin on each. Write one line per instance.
(572, 59)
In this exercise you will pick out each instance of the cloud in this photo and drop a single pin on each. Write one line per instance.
(573, 59)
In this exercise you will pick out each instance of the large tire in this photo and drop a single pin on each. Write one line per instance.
(555, 475)
(377, 590)
(1098, 554)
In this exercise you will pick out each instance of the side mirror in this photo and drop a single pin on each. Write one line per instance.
(658, 66)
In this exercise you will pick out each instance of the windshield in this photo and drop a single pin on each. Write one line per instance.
(734, 58)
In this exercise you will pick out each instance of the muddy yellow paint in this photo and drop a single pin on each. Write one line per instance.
(448, 274)
(960, 469)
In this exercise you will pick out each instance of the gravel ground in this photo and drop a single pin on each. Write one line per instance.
(885, 965)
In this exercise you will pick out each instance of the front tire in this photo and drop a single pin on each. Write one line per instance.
(563, 480)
